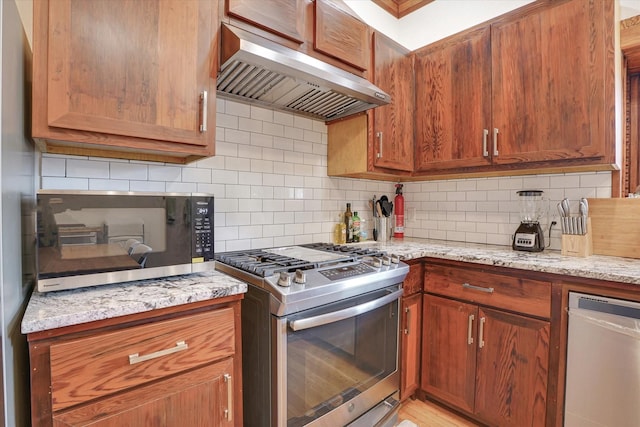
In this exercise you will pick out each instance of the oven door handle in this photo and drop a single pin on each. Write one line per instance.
(335, 316)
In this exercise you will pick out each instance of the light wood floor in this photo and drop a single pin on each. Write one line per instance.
(427, 414)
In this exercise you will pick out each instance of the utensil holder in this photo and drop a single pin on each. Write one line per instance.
(578, 245)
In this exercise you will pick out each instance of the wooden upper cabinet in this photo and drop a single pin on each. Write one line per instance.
(341, 35)
(553, 88)
(284, 18)
(379, 144)
(125, 79)
(532, 90)
(393, 123)
(453, 102)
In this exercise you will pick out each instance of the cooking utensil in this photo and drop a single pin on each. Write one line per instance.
(566, 207)
(583, 207)
(386, 206)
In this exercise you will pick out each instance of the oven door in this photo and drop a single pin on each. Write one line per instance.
(336, 362)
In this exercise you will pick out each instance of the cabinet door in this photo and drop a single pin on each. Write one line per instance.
(203, 397)
(135, 69)
(393, 123)
(453, 103)
(449, 350)
(550, 85)
(410, 350)
(512, 370)
(282, 17)
(341, 35)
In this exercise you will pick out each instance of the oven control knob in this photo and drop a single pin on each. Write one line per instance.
(300, 277)
(386, 260)
(285, 279)
(395, 259)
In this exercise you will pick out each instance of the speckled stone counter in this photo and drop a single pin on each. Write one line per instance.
(616, 269)
(65, 308)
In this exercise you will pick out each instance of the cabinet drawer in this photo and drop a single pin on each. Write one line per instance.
(96, 366)
(511, 293)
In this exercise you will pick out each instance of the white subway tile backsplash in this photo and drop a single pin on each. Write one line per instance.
(165, 173)
(129, 171)
(227, 121)
(228, 145)
(53, 166)
(182, 187)
(281, 118)
(147, 186)
(250, 205)
(87, 169)
(196, 175)
(237, 191)
(238, 109)
(269, 177)
(250, 232)
(261, 113)
(273, 129)
(108, 184)
(261, 140)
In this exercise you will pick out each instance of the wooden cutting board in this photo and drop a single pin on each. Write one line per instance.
(616, 227)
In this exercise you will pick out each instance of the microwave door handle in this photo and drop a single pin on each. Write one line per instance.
(336, 316)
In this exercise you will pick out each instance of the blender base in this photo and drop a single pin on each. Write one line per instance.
(529, 237)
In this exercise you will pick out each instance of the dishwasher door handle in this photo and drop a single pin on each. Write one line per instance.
(336, 316)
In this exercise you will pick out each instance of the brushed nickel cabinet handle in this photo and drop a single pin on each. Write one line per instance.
(477, 288)
(203, 99)
(228, 413)
(407, 310)
(470, 329)
(495, 141)
(485, 135)
(481, 333)
(379, 136)
(136, 358)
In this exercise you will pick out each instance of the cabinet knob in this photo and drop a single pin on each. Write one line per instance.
(379, 136)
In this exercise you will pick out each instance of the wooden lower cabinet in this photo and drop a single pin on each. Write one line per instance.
(488, 363)
(169, 367)
(197, 398)
(411, 333)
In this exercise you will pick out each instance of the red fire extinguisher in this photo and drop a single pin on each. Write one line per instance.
(398, 206)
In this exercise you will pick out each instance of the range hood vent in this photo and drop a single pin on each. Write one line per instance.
(256, 70)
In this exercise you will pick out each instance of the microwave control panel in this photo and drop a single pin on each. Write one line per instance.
(202, 230)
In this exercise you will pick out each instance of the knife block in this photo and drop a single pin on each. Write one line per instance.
(578, 245)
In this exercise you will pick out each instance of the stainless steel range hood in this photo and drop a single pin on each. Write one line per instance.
(259, 71)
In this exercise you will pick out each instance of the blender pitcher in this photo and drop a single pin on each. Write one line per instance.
(529, 235)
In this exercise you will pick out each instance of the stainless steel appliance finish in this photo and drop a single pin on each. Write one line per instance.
(257, 70)
(88, 238)
(323, 352)
(603, 362)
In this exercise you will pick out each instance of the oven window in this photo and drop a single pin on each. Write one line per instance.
(330, 364)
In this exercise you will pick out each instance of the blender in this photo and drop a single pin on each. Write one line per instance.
(529, 235)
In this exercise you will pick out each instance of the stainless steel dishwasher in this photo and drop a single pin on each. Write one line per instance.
(603, 362)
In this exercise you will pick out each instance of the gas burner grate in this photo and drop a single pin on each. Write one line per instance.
(263, 263)
(355, 251)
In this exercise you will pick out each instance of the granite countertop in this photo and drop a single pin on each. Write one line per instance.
(615, 269)
(65, 308)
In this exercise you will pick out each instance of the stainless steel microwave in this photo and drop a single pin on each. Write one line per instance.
(88, 238)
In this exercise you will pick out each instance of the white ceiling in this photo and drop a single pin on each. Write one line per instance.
(442, 18)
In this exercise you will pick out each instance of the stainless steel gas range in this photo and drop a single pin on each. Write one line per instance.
(319, 334)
